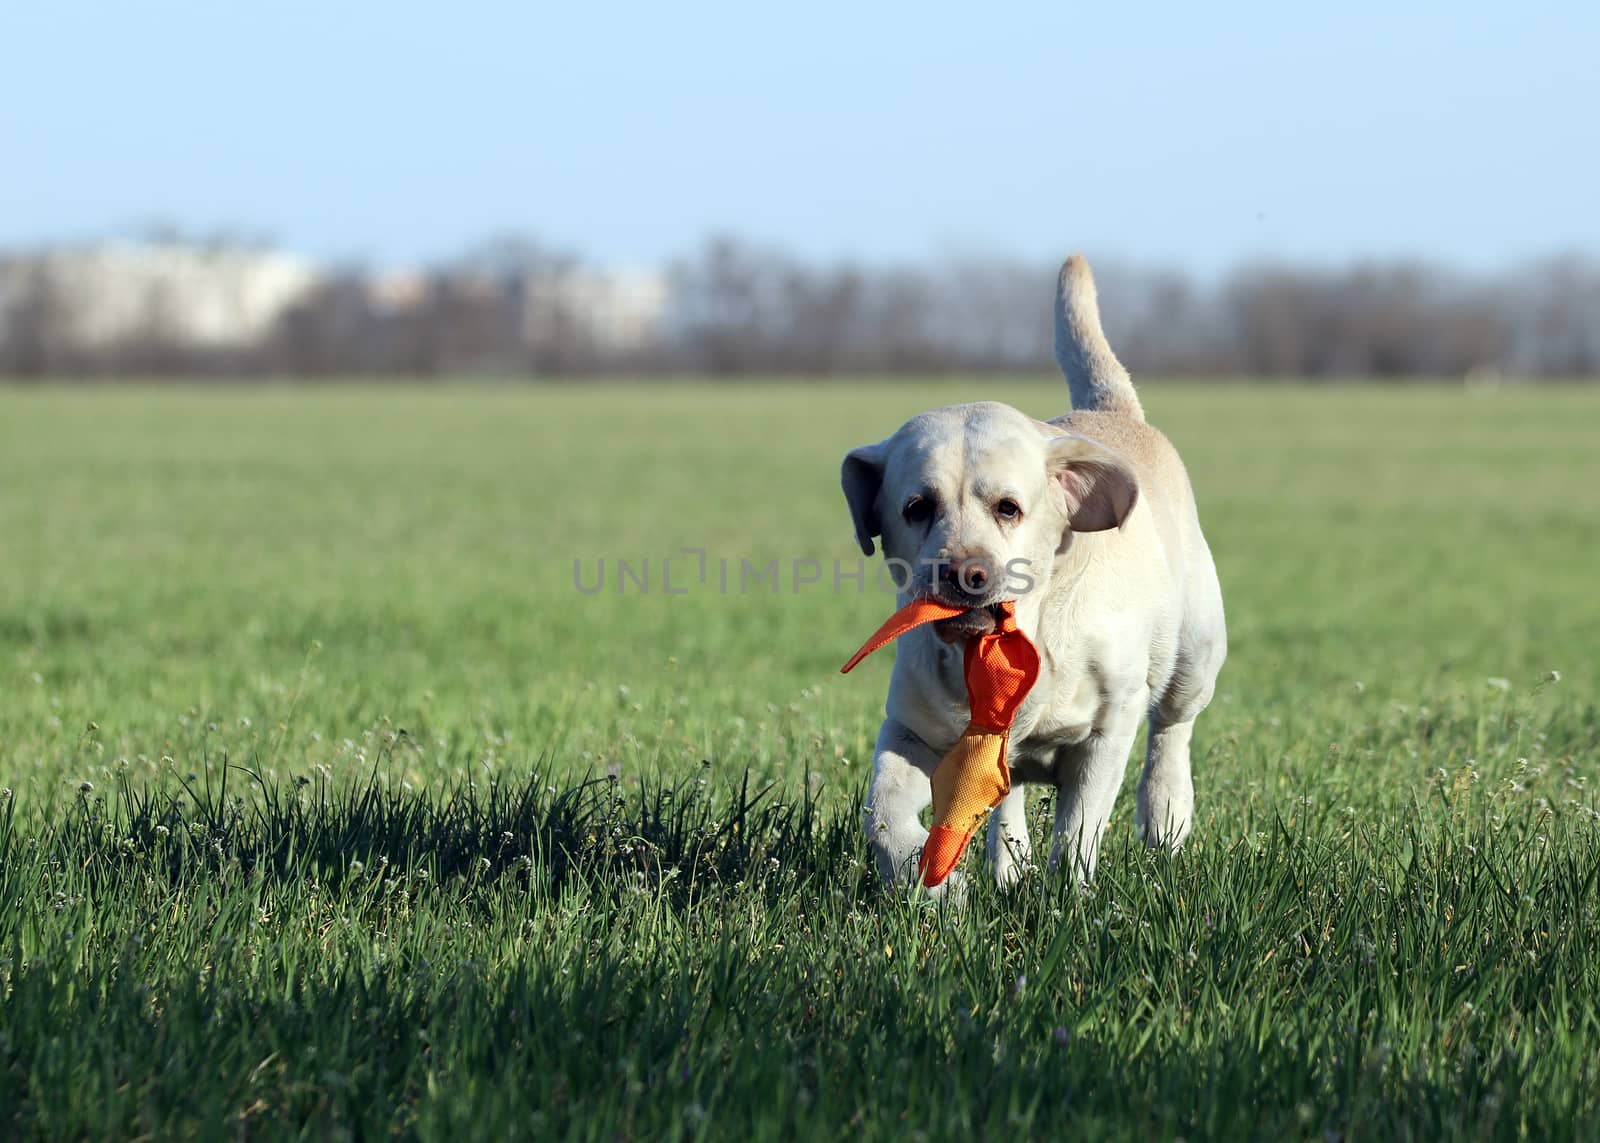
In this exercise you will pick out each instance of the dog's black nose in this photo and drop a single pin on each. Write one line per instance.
(964, 580)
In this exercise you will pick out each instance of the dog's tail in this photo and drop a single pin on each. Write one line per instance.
(1095, 376)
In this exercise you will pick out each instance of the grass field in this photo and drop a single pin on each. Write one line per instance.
(334, 809)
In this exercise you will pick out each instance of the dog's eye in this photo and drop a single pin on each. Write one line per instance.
(1008, 510)
(917, 510)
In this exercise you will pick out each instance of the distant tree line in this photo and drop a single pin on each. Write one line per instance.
(518, 309)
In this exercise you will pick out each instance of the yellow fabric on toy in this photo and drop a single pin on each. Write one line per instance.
(968, 782)
(972, 778)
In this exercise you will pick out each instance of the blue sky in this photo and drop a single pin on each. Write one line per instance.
(1195, 135)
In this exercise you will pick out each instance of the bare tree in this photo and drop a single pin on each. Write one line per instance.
(512, 306)
(35, 316)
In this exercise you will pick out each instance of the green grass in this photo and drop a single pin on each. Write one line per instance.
(392, 830)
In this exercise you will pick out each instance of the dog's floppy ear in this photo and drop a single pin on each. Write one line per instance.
(862, 477)
(1096, 483)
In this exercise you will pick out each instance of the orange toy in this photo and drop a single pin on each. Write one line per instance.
(1000, 668)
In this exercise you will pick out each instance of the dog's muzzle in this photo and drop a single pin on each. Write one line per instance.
(977, 621)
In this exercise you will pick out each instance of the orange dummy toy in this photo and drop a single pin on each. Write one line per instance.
(1000, 668)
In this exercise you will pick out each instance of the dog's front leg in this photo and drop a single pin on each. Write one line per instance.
(901, 765)
(1010, 849)
(1089, 776)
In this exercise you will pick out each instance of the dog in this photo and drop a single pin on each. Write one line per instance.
(1089, 523)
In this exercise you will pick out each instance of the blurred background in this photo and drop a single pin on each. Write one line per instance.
(530, 191)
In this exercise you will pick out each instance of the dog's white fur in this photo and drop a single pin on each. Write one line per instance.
(1124, 604)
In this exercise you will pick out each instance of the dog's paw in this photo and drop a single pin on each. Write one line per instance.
(1167, 834)
(1014, 873)
(952, 891)
(1164, 814)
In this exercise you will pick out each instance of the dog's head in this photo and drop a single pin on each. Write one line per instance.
(974, 502)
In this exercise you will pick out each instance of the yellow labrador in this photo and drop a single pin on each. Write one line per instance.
(1089, 524)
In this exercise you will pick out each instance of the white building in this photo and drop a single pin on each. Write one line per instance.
(615, 310)
(619, 310)
(85, 302)
(195, 296)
